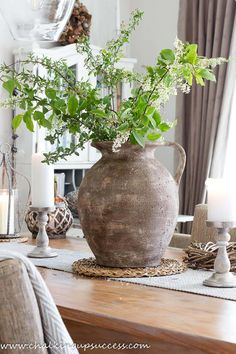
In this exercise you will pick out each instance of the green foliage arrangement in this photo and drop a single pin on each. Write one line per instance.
(59, 103)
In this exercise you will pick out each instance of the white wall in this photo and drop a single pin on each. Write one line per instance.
(6, 48)
(103, 20)
(156, 31)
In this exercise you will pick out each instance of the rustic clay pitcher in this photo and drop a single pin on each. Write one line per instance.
(128, 205)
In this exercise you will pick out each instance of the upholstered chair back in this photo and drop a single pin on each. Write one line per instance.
(20, 320)
(200, 232)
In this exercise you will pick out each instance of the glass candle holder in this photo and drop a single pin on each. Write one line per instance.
(36, 20)
(10, 220)
(9, 223)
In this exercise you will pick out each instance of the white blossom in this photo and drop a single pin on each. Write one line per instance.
(10, 102)
(119, 141)
(212, 62)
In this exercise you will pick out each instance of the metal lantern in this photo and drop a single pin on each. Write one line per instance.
(10, 219)
(36, 20)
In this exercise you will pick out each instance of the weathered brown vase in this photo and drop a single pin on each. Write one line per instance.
(128, 205)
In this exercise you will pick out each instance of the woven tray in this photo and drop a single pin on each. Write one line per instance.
(203, 255)
(14, 239)
(89, 268)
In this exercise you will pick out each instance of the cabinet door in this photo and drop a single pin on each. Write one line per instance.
(94, 154)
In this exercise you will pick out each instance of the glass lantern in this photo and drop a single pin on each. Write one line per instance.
(10, 220)
(36, 20)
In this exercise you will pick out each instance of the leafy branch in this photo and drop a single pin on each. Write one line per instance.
(58, 103)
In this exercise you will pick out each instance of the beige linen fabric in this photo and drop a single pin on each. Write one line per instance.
(20, 320)
(28, 297)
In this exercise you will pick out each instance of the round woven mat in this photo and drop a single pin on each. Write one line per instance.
(89, 268)
(14, 239)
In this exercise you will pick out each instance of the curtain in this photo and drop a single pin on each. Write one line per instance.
(203, 122)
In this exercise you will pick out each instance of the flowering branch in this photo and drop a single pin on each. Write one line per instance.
(59, 103)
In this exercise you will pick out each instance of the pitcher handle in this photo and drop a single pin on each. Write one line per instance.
(182, 159)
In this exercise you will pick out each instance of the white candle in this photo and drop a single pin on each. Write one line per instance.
(221, 200)
(4, 201)
(42, 179)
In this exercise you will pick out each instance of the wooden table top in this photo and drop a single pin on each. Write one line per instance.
(136, 309)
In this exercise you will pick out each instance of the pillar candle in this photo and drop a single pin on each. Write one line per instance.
(221, 200)
(4, 200)
(42, 178)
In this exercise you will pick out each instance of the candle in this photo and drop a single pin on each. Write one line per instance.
(4, 202)
(42, 178)
(221, 200)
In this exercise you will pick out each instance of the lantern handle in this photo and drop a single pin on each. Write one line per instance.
(5, 148)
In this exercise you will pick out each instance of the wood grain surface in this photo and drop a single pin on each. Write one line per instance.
(104, 311)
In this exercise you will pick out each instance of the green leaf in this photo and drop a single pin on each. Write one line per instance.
(206, 74)
(168, 55)
(191, 54)
(16, 121)
(150, 111)
(151, 121)
(140, 104)
(99, 113)
(73, 105)
(28, 121)
(30, 93)
(42, 121)
(46, 123)
(22, 105)
(199, 79)
(9, 85)
(38, 115)
(139, 138)
(157, 117)
(145, 120)
(165, 126)
(161, 71)
(50, 93)
(82, 106)
(123, 127)
(125, 113)
(150, 70)
(59, 104)
(188, 75)
(45, 110)
(153, 136)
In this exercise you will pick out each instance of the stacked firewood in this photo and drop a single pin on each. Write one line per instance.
(203, 255)
(78, 25)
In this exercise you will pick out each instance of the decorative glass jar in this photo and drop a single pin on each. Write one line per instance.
(36, 20)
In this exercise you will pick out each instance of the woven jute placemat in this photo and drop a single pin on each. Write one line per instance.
(89, 268)
(14, 239)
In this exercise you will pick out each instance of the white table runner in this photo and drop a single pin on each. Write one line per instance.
(189, 281)
(63, 261)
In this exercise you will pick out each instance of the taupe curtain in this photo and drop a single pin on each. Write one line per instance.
(209, 23)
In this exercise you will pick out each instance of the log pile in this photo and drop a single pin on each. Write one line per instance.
(78, 25)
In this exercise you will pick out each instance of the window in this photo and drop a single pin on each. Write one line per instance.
(230, 162)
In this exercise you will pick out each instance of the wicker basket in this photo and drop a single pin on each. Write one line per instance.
(59, 222)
